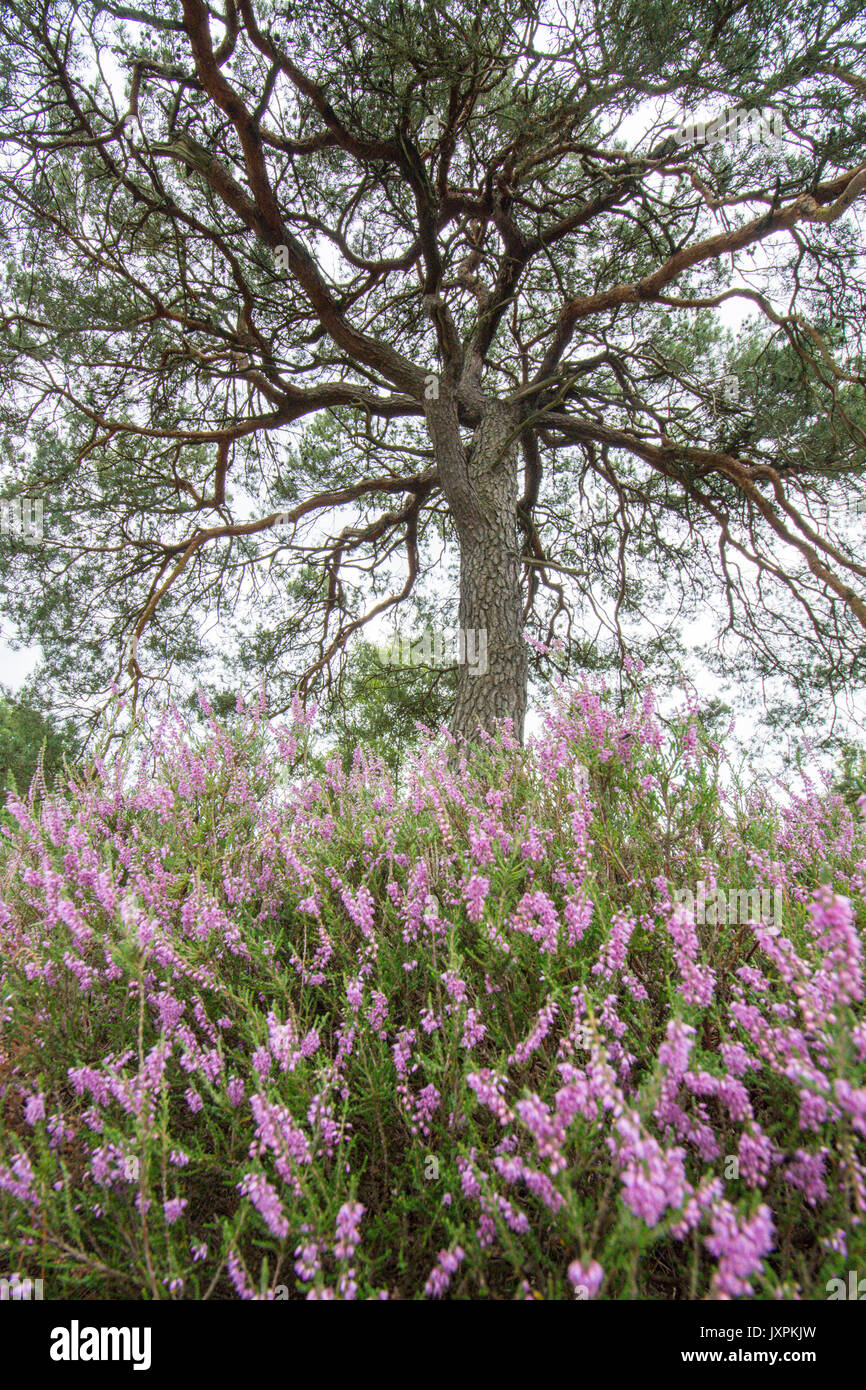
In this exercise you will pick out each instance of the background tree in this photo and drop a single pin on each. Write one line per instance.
(851, 778)
(380, 706)
(31, 741)
(306, 304)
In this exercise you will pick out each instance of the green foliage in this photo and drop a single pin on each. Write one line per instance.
(377, 707)
(851, 778)
(30, 737)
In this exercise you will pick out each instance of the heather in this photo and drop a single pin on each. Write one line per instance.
(269, 1032)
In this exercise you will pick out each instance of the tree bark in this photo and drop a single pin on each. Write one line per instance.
(480, 485)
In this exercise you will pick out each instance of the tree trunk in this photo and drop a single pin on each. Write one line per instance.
(481, 488)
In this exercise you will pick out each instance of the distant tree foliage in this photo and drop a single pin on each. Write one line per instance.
(378, 707)
(30, 739)
(851, 780)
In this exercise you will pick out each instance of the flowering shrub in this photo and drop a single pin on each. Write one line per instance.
(322, 1037)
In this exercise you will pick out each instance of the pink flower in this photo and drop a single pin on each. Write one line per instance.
(264, 1198)
(740, 1246)
(348, 1220)
(475, 893)
(447, 1265)
(34, 1108)
(585, 1280)
(473, 1029)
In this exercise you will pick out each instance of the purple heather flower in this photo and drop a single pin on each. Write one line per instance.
(348, 1220)
(586, 1280)
(447, 1265)
(34, 1108)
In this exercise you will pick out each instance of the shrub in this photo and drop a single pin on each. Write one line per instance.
(312, 1037)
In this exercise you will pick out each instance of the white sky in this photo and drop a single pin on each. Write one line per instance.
(15, 667)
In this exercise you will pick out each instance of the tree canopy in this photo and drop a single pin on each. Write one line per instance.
(311, 311)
